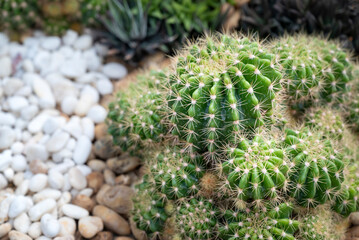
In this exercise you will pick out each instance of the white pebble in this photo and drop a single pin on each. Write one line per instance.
(50, 125)
(18, 163)
(85, 170)
(23, 187)
(74, 211)
(6, 67)
(51, 43)
(104, 86)
(17, 147)
(45, 194)
(57, 141)
(70, 37)
(44, 93)
(97, 113)
(9, 174)
(56, 180)
(34, 230)
(88, 127)
(77, 179)
(22, 223)
(36, 152)
(29, 112)
(7, 118)
(7, 137)
(16, 103)
(114, 70)
(42, 207)
(4, 208)
(68, 226)
(50, 226)
(17, 206)
(38, 182)
(5, 229)
(82, 150)
(68, 105)
(83, 42)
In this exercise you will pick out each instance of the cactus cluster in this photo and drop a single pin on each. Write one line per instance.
(223, 157)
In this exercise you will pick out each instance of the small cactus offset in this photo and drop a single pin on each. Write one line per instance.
(267, 179)
(319, 224)
(328, 122)
(273, 223)
(176, 175)
(197, 219)
(317, 71)
(302, 70)
(135, 118)
(338, 73)
(256, 170)
(149, 210)
(317, 168)
(219, 88)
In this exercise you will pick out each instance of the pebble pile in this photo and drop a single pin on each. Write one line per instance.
(57, 166)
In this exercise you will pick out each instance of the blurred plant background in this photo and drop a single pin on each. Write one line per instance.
(135, 28)
(338, 19)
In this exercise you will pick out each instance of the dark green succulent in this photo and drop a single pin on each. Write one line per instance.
(131, 31)
(334, 18)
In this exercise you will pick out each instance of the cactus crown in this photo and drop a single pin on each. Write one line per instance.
(256, 170)
(135, 119)
(220, 88)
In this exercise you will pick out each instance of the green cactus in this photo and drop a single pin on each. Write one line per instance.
(317, 71)
(338, 73)
(135, 118)
(18, 15)
(302, 70)
(273, 223)
(176, 175)
(149, 211)
(319, 224)
(328, 122)
(317, 168)
(257, 170)
(197, 219)
(220, 88)
(90, 9)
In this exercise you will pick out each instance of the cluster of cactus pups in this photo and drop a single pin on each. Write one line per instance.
(243, 140)
(53, 16)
